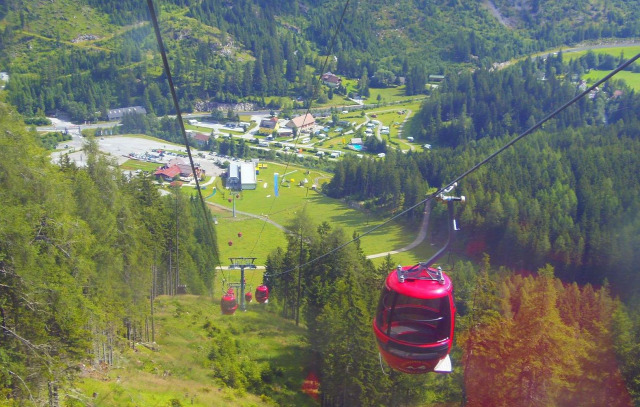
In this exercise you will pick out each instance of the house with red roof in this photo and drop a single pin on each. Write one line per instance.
(167, 173)
(331, 80)
(268, 126)
(200, 139)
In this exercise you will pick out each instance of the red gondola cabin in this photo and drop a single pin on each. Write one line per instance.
(228, 303)
(415, 320)
(262, 294)
(248, 297)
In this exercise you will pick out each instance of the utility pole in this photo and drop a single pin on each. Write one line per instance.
(242, 263)
(234, 205)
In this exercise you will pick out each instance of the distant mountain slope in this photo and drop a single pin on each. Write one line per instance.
(575, 20)
(229, 51)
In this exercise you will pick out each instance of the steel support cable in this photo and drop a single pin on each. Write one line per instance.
(167, 71)
(475, 167)
(314, 94)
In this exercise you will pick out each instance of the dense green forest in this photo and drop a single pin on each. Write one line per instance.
(82, 249)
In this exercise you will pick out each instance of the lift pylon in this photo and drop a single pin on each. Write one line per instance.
(242, 263)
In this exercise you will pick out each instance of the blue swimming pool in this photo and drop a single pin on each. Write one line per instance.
(357, 147)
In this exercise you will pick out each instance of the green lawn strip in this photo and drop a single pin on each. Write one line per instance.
(201, 129)
(387, 95)
(337, 100)
(133, 165)
(630, 78)
(627, 51)
(180, 369)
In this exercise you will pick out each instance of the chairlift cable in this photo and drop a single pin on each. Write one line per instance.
(475, 167)
(167, 70)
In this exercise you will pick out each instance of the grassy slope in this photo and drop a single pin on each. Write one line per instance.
(180, 369)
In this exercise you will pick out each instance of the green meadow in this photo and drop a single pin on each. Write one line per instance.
(630, 78)
(247, 236)
(627, 51)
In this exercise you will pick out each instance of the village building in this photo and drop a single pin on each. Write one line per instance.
(331, 80)
(302, 123)
(242, 176)
(167, 173)
(268, 126)
(200, 139)
(117, 114)
(177, 167)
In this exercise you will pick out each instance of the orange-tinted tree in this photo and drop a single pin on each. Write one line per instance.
(552, 346)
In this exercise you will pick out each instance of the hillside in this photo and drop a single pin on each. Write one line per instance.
(87, 59)
(203, 358)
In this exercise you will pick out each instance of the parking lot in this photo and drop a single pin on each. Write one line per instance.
(120, 147)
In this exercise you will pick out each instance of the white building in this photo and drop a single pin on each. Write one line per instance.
(248, 175)
(242, 175)
(117, 114)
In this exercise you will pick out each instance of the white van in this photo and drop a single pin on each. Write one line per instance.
(410, 139)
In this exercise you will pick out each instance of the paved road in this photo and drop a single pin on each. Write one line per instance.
(422, 234)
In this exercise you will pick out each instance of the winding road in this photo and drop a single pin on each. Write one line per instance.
(422, 234)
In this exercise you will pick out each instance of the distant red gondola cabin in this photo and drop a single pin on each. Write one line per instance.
(228, 303)
(415, 320)
(262, 294)
(248, 297)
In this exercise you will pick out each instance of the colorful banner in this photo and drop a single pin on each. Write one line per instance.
(275, 183)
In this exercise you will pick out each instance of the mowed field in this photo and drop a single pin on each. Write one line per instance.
(630, 78)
